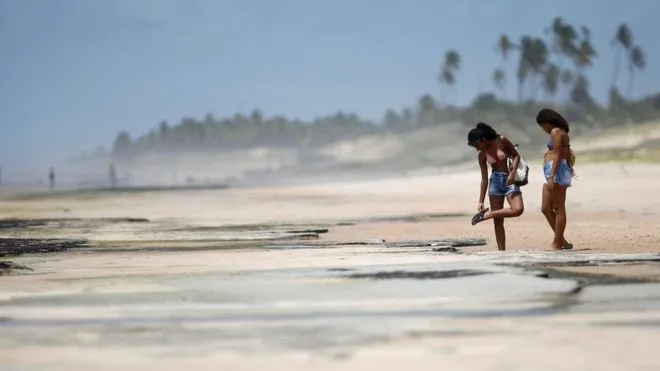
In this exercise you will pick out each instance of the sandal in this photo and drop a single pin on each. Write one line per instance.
(479, 216)
(567, 246)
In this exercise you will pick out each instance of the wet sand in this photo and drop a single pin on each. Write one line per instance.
(337, 276)
(612, 208)
(616, 231)
(649, 272)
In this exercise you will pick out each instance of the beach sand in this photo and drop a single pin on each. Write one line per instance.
(613, 211)
(611, 207)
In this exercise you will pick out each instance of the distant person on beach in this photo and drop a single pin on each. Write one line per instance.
(558, 170)
(113, 176)
(51, 178)
(495, 149)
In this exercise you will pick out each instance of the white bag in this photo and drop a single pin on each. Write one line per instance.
(521, 173)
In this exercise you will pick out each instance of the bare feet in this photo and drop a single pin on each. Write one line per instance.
(554, 246)
(565, 245)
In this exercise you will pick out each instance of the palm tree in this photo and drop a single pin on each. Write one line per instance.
(533, 58)
(584, 55)
(555, 31)
(426, 103)
(521, 75)
(586, 32)
(583, 58)
(567, 79)
(636, 60)
(499, 79)
(538, 60)
(453, 60)
(580, 93)
(426, 110)
(505, 46)
(524, 64)
(391, 119)
(122, 143)
(163, 129)
(616, 100)
(551, 80)
(407, 117)
(451, 65)
(564, 37)
(256, 117)
(621, 41)
(447, 76)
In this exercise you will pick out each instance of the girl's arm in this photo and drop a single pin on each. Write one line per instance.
(556, 135)
(484, 179)
(513, 152)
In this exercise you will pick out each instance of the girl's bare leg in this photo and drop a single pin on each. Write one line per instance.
(497, 203)
(516, 208)
(548, 210)
(559, 205)
(546, 207)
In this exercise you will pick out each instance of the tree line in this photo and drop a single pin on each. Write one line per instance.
(547, 70)
(242, 131)
(556, 67)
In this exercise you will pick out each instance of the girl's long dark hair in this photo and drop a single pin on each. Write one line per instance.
(553, 118)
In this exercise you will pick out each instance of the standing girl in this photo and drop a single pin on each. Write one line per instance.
(558, 170)
(494, 149)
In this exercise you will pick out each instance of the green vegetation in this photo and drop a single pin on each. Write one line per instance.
(548, 70)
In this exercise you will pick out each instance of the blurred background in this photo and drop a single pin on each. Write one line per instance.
(207, 92)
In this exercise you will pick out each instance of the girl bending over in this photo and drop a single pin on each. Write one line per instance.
(494, 149)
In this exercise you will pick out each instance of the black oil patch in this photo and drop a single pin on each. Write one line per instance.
(18, 246)
(418, 275)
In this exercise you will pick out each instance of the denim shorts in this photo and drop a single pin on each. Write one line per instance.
(497, 185)
(563, 175)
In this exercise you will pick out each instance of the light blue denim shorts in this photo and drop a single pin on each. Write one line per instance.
(497, 185)
(563, 176)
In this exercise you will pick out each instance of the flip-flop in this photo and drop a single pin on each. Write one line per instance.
(567, 246)
(478, 216)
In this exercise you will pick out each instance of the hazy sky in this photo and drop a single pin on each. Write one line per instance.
(74, 72)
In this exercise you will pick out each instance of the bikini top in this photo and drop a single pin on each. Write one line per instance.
(501, 155)
(571, 156)
(550, 147)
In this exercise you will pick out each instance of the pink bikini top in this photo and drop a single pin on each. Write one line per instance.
(500, 156)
